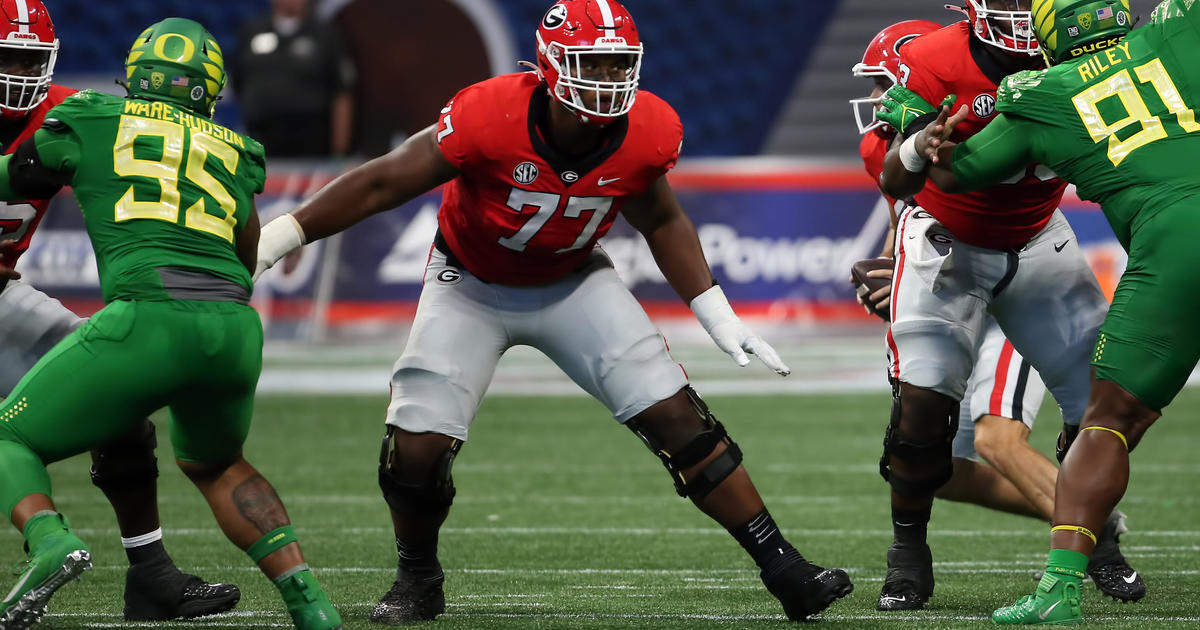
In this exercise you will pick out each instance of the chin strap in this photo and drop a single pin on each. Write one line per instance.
(955, 7)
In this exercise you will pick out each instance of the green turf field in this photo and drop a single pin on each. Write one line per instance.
(564, 520)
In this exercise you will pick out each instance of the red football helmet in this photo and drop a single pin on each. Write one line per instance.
(882, 59)
(572, 37)
(1005, 24)
(28, 50)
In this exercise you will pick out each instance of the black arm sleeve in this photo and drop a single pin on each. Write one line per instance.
(32, 179)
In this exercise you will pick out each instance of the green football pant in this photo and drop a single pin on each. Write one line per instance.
(200, 359)
(1149, 342)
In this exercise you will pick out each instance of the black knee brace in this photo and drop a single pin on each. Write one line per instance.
(1066, 438)
(695, 451)
(126, 460)
(434, 493)
(932, 457)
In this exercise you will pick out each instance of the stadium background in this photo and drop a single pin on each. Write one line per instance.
(561, 520)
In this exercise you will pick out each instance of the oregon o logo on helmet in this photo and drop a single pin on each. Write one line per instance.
(555, 17)
(525, 173)
(160, 47)
(984, 105)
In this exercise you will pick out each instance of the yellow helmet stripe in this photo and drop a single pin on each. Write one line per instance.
(1043, 22)
(1043, 16)
(214, 72)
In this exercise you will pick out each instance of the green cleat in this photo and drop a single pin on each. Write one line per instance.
(59, 558)
(307, 602)
(1055, 602)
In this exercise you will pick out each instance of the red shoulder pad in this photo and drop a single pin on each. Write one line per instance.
(656, 131)
(931, 63)
(485, 116)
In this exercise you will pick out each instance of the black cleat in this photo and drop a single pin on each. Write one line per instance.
(413, 597)
(1108, 567)
(804, 588)
(909, 581)
(159, 591)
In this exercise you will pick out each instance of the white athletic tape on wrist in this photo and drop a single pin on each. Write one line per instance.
(280, 237)
(712, 308)
(913, 161)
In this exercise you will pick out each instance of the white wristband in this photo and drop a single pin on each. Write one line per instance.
(279, 237)
(913, 161)
(712, 308)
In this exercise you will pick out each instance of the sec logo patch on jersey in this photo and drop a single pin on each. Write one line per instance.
(525, 173)
(984, 105)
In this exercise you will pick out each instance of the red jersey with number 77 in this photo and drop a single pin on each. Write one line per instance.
(1006, 216)
(19, 219)
(521, 212)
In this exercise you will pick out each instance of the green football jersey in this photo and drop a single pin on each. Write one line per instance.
(160, 187)
(1119, 123)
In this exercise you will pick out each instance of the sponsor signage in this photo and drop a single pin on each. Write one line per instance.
(778, 240)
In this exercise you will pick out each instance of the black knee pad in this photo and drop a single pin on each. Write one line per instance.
(1066, 438)
(127, 460)
(433, 493)
(931, 457)
(695, 451)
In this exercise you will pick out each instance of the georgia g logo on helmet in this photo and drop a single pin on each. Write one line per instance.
(555, 17)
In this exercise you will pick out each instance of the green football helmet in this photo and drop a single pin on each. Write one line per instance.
(1067, 29)
(177, 61)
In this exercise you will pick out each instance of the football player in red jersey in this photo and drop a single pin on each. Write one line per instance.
(537, 165)
(1003, 394)
(155, 589)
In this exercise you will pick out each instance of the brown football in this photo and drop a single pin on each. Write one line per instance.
(866, 285)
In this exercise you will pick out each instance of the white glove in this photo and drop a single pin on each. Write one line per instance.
(277, 239)
(730, 334)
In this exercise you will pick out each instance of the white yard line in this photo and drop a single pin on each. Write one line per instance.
(908, 617)
(849, 501)
(687, 575)
(823, 360)
(628, 531)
